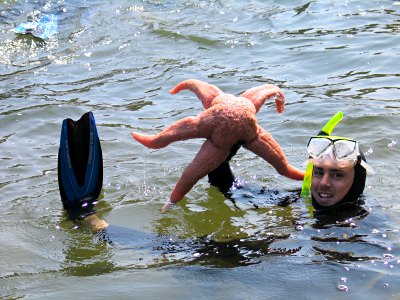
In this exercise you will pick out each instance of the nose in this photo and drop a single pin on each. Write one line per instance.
(325, 180)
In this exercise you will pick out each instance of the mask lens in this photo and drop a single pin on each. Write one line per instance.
(317, 146)
(345, 149)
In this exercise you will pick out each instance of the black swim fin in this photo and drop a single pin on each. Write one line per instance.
(80, 165)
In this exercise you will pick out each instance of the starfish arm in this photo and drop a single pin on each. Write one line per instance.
(204, 91)
(183, 129)
(259, 94)
(207, 159)
(267, 148)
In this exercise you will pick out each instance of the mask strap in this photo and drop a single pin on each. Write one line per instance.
(367, 167)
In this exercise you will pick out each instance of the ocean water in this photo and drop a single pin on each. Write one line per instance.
(119, 59)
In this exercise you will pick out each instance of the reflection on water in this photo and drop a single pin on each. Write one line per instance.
(119, 59)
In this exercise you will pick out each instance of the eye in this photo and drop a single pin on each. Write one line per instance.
(318, 172)
(338, 175)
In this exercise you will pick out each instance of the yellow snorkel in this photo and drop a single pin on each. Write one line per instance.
(331, 124)
(326, 130)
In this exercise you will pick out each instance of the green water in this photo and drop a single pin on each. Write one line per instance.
(119, 59)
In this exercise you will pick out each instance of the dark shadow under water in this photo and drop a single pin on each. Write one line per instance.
(355, 234)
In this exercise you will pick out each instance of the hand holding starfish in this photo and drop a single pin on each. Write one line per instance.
(227, 120)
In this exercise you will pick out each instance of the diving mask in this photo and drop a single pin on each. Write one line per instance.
(342, 151)
(336, 151)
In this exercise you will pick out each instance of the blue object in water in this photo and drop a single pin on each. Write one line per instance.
(44, 28)
(80, 165)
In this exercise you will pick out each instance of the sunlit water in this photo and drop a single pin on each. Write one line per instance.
(119, 59)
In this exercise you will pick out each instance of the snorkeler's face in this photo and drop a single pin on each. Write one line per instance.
(330, 185)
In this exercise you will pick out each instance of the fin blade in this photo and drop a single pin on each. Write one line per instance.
(80, 161)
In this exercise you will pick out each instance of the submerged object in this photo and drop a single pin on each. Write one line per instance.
(80, 165)
(44, 28)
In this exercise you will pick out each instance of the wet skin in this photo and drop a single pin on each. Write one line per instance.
(227, 119)
(330, 185)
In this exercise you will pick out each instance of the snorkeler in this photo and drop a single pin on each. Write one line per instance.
(337, 168)
(335, 176)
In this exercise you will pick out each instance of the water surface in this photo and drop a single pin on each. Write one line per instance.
(119, 59)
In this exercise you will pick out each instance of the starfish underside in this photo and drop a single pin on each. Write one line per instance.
(226, 120)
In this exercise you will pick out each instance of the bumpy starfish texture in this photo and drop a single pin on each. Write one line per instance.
(227, 119)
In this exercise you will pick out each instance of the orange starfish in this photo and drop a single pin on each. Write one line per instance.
(227, 120)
